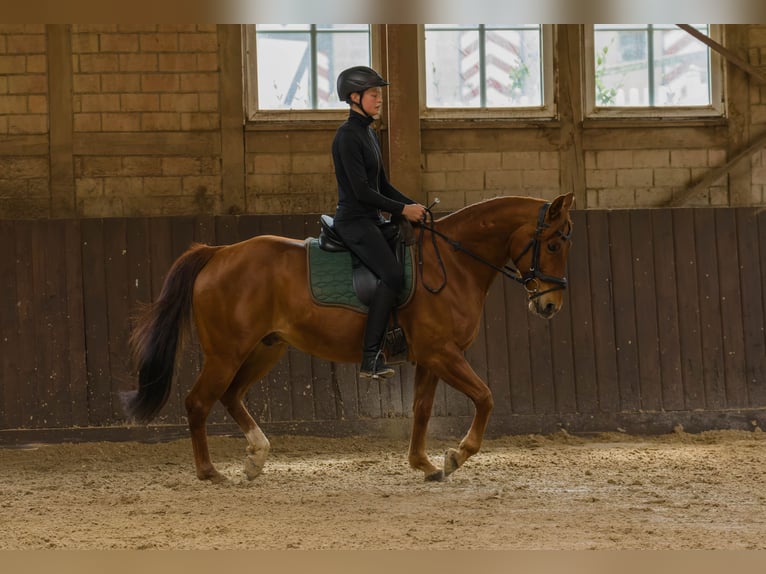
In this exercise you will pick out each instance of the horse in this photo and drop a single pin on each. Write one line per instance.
(251, 300)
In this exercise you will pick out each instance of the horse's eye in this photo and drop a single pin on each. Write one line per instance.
(553, 247)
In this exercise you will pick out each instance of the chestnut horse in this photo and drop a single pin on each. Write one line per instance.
(251, 300)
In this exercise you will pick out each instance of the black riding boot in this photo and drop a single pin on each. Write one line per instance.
(373, 362)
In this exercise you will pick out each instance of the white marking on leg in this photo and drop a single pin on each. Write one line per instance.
(257, 440)
(258, 451)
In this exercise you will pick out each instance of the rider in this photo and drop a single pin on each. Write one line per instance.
(363, 192)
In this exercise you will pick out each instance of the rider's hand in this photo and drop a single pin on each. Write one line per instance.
(414, 212)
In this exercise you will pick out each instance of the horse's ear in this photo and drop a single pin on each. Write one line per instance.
(561, 205)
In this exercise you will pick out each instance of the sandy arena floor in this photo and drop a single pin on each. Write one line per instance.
(679, 491)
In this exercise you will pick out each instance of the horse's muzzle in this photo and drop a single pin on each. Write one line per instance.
(544, 306)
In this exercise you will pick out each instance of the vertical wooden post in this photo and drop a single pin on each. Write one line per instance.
(233, 170)
(572, 160)
(63, 201)
(403, 109)
(738, 104)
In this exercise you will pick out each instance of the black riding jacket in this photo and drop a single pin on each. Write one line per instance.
(363, 189)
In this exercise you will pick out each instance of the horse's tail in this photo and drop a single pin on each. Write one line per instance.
(159, 332)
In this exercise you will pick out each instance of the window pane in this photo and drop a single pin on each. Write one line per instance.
(335, 53)
(284, 62)
(451, 26)
(452, 69)
(297, 69)
(513, 68)
(477, 66)
(347, 27)
(283, 27)
(658, 65)
(621, 68)
(681, 70)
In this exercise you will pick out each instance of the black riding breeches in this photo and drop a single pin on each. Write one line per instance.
(374, 246)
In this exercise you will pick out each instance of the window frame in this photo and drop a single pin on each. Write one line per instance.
(253, 114)
(716, 109)
(547, 111)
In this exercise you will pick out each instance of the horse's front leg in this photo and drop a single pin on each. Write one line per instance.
(422, 406)
(452, 367)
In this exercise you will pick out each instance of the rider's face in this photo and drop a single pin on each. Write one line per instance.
(372, 101)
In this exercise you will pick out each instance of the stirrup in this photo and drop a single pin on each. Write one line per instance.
(375, 368)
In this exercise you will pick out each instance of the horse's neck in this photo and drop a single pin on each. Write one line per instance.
(485, 229)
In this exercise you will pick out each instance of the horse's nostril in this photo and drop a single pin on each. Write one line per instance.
(550, 309)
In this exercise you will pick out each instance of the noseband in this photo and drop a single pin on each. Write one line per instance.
(531, 279)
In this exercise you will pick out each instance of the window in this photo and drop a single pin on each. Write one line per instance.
(292, 67)
(657, 69)
(487, 69)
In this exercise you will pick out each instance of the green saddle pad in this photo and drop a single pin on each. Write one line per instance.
(331, 282)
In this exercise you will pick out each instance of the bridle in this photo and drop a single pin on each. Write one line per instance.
(531, 279)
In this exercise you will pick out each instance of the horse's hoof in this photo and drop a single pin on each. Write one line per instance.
(213, 476)
(253, 468)
(436, 476)
(219, 479)
(451, 463)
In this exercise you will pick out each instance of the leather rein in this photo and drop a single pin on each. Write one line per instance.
(531, 279)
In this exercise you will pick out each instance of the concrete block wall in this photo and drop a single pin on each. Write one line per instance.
(460, 178)
(145, 79)
(151, 120)
(651, 177)
(24, 167)
(757, 55)
(291, 172)
(614, 178)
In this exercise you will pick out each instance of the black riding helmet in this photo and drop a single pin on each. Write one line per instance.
(357, 79)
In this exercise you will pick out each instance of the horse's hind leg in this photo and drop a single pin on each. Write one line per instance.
(260, 362)
(208, 388)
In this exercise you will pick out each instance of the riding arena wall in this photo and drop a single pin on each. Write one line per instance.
(121, 144)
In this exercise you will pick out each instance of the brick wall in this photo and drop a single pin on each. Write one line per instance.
(460, 178)
(149, 122)
(291, 172)
(648, 178)
(23, 120)
(757, 53)
(143, 79)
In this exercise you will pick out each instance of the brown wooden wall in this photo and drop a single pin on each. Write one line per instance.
(663, 324)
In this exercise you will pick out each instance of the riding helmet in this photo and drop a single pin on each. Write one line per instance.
(357, 79)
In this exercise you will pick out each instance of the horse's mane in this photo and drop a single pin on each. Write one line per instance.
(482, 206)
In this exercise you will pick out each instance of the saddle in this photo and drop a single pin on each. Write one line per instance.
(337, 277)
(364, 281)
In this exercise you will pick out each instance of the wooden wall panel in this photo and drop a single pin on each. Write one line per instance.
(623, 294)
(709, 301)
(689, 327)
(9, 311)
(754, 338)
(96, 315)
(498, 355)
(603, 312)
(585, 377)
(647, 336)
(667, 311)
(732, 332)
(663, 321)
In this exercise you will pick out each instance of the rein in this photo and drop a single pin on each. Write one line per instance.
(531, 279)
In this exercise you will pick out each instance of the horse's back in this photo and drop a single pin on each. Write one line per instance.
(270, 258)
